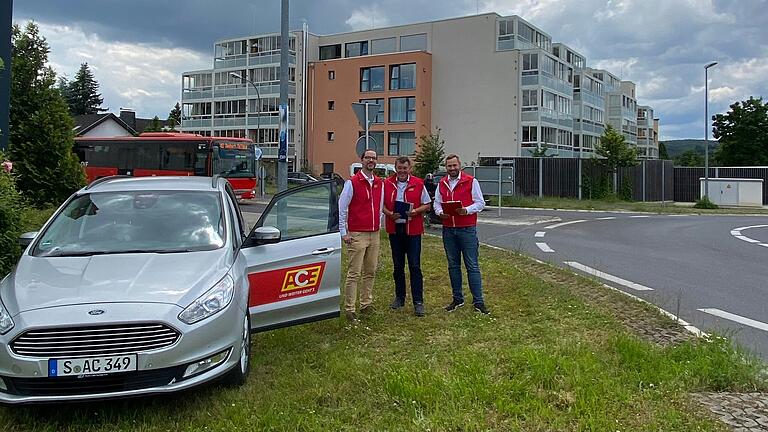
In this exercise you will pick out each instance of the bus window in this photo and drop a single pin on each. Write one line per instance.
(234, 160)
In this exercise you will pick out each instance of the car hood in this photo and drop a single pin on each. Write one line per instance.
(42, 282)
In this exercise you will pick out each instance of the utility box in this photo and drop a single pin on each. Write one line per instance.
(734, 192)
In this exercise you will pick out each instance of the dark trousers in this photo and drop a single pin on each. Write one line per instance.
(409, 246)
(458, 243)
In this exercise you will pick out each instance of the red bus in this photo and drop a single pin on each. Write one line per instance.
(172, 154)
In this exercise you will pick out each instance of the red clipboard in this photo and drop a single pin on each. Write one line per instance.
(450, 207)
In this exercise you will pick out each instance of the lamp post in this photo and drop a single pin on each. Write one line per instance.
(706, 129)
(258, 101)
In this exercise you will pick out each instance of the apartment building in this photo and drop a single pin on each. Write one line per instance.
(647, 133)
(495, 86)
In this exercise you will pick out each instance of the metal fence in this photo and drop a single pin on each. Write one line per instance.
(651, 180)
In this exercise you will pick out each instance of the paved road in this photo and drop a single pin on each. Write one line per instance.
(712, 271)
(702, 268)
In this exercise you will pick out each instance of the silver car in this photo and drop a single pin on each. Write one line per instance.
(152, 285)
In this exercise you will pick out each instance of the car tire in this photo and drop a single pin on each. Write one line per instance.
(239, 374)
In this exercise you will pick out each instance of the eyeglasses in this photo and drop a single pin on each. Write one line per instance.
(370, 157)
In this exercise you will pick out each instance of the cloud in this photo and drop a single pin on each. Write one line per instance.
(366, 18)
(141, 76)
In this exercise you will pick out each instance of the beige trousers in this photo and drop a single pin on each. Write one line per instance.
(363, 254)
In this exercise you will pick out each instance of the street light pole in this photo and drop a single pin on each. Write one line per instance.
(258, 102)
(706, 129)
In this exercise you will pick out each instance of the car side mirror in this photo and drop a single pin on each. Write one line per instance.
(26, 238)
(265, 235)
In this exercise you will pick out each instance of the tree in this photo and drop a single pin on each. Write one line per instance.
(174, 117)
(83, 94)
(541, 152)
(431, 154)
(41, 138)
(690, 158)
(154, 125)
(743, 134)
(663, 154)
(615, 151)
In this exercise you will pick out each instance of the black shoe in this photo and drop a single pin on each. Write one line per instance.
(480, 307)
(367, 310)
(454, 305)
(397, 303)
(418, 309)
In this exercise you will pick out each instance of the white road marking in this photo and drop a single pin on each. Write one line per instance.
(747, 239)
(539, 234)
(736, 318)
(564, 224)
(764, 244)
(606, 218)
(544, 247)
(750, 227)
(639, 216)
(735, 232)
(608, 277)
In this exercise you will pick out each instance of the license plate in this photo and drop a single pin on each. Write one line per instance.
(91, 365)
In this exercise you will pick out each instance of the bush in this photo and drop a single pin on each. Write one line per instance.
(11, 208)
(705, 203)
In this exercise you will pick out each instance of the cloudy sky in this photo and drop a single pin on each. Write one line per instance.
(138, 49)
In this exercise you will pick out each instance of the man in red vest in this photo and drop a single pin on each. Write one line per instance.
(405, 192)
(359, 222)
(458, 199)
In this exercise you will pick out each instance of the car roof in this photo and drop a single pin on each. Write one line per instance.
(186, 183)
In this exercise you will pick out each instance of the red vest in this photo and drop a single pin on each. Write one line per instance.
(365, 208)
(462, 192)
(412, 194)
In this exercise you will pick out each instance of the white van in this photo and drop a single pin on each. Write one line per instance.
(381, 170)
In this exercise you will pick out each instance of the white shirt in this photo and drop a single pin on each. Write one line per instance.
(346, 197)
(401, 187)
(478, 203)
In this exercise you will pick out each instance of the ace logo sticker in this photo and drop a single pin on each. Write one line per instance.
(285, 284)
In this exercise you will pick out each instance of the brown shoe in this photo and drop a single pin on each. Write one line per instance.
(367, 309)
(352, 317)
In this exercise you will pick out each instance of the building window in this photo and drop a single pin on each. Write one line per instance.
(530, 100)
(380, 114)
(402, 110)
(530, 134)
(417, 42)
(356, 49)
(329, 52)
(383, 46)
(327, 167)
(376, 142)
(331, 136)
(402, 143)
(530, 64)
(331, 75)
(402, 77)
(331, 105)
(372, 79)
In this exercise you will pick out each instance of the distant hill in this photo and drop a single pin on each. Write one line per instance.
(677, 147)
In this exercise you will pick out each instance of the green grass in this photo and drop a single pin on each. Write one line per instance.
(616, 204)
(543, 360)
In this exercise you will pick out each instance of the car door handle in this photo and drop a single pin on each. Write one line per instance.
(323, 251)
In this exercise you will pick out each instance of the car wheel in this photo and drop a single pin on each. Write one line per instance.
(239, 374)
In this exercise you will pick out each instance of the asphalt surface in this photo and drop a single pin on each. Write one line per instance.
(700, 268)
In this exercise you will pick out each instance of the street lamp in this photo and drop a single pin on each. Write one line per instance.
(706, 129)
(258, 102)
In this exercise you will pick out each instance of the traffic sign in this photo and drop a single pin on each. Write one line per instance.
(360, 144)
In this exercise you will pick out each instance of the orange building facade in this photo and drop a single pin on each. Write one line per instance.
(401, 83)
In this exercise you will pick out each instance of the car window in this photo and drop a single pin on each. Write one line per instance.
(304, 212)
(142, 221)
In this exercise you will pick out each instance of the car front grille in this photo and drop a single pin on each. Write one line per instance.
(69, 386)
(94, 341)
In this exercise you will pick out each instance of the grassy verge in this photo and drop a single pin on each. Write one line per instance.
(546, 359)
(616, 204)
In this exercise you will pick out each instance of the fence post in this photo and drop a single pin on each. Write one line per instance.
(663, 182)
(644, 180)
(541, 177)
(579, 179)
(500, 165)
(717, 172)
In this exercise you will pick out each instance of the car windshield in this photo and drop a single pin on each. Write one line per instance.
(135, 222)
(234, 159)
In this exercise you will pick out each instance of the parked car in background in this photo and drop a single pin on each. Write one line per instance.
(297, 178)
(145, 285)
(335, 177)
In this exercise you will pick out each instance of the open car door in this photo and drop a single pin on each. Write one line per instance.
(293, 255)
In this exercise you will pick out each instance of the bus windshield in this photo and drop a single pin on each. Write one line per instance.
(234, 159)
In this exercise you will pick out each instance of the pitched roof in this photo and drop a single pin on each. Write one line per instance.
(86, 122)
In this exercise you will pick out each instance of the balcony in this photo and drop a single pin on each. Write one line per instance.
(191, 94)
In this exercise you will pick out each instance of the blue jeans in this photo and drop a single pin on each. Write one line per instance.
(458, 243)
(403, 246)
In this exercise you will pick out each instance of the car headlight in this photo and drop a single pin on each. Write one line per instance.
(6, 323)
(208, 304)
